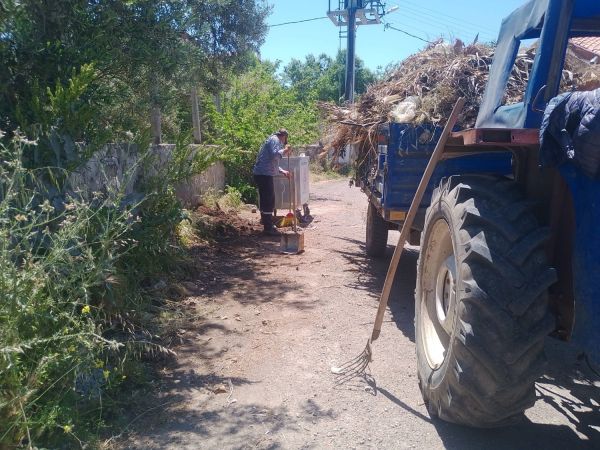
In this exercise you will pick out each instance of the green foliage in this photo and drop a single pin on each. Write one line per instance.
(253, 108)
(323, 78)
(75, 274)
(324, 170)
(232, 198)
(64, 115)
(91, 71)
(73, 316)
(247, 191)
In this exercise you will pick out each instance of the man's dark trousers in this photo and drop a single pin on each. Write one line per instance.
(266, 193)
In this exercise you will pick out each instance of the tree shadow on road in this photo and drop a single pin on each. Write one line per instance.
(571, 387)
(166, 419)
(370, 277)
(237, 268)
(526, 435)
(241, 267)
(566, 386)
(240, 426)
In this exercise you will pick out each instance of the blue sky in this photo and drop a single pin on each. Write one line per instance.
(378, 47)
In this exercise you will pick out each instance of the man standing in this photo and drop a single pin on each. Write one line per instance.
(267, 167)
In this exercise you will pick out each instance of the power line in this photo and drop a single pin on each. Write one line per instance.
(420, 7)
(446, 20)
(297, 21)
(428, 27)
(422, 26)
(434, 21)
(416, 29)
(387, 25)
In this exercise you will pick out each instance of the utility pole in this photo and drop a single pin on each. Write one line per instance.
(350, 52)
(352, 14)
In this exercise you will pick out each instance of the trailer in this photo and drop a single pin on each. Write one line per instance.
(391, 179)
(509, 252)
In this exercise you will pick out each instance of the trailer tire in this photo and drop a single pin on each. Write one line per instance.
(377, 232)
(481, 302)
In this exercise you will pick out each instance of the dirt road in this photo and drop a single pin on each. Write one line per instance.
(254, 369)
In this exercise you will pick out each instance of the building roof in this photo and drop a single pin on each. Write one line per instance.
(589, 44)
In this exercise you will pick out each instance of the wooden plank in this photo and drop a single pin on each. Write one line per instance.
(493, 137)
(412, 212)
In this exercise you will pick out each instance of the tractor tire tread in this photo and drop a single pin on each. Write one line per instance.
(376, 233)
(503, 319)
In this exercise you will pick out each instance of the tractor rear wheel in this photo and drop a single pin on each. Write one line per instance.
(481, 302)
(377, 232)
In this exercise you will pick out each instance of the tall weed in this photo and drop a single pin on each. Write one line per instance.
(72, 312)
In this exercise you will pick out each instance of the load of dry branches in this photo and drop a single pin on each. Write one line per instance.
(425, 87)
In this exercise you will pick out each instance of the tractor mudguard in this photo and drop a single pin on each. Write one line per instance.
(586, 259)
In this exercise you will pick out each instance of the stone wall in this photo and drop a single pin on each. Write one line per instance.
(120, 166)
(212, 179)
(108, 169)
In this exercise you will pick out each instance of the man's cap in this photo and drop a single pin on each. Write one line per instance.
(282, 132)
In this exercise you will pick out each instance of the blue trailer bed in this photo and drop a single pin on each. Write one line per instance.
(392, 173)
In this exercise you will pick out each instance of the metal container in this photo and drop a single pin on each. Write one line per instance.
(299, 167)
(292, 242)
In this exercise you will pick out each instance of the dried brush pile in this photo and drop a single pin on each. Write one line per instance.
(425, 87)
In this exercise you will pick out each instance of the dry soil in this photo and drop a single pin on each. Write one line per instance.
(253, 370)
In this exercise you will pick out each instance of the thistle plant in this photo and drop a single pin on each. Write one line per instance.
(68, 303)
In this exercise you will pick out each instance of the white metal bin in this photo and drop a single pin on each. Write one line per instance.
(299, 167)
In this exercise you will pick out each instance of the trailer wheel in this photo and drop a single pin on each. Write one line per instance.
(481, 302)
(377, 232)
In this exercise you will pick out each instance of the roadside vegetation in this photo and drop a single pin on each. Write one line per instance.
(82, 309)
(76, 302)
(265, 98)
(322, 170)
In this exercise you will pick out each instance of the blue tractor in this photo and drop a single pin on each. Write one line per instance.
(508, 248)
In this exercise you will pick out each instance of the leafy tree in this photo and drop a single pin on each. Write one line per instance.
(73, 316)
(124, 55)
(304, 76)
(254, 107)
(323, 78)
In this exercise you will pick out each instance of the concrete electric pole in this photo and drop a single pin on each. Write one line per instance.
(353, 13)
(350, 52)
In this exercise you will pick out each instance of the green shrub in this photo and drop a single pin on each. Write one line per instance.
(73, 317)
(255, 106)
(232, 198)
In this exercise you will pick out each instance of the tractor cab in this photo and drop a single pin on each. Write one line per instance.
(553, 23)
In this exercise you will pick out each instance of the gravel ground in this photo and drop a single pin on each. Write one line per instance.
(254, 368)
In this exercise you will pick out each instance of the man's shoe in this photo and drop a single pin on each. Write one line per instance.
(272, 232)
